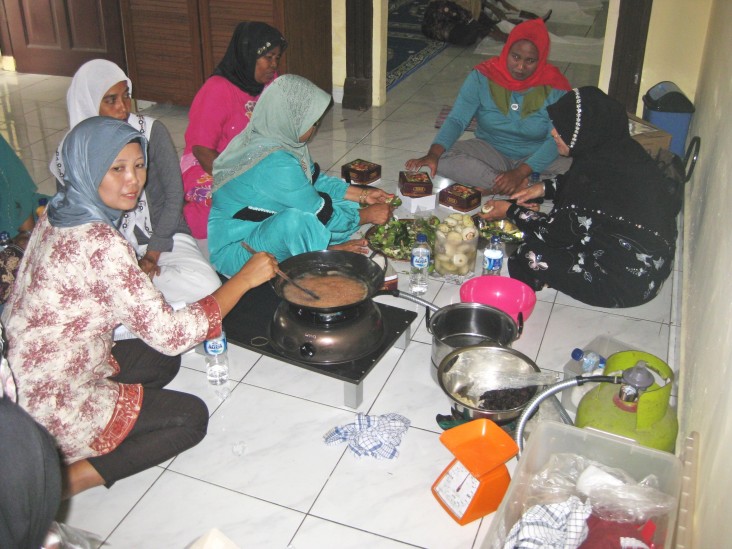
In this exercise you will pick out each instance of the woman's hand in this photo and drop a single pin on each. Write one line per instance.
(494, 209)
(149, 264)
(205, 157)
(260, 268)
(376, 196)
(377, 214)
(431, 159)
(358, 246)
(529, 193)
(510, 181)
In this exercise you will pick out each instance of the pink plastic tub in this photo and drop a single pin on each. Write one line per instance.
(507, 294)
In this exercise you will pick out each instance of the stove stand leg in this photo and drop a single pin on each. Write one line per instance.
(404, 339)
(353, 393)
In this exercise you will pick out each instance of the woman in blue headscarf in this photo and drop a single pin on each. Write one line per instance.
(80, 279)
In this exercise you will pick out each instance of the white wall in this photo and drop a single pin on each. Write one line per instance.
(706, 348)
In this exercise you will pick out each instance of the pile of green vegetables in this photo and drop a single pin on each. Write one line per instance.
(507, 231)
(396, 238)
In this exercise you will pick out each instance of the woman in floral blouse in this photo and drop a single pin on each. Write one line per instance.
(610, 238)
(80, 279)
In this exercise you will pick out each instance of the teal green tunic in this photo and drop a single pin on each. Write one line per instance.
(277, 185)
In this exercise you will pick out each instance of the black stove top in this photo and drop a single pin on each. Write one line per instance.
(248, 325)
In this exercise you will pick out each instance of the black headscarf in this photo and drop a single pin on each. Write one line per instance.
(250, 41)
(611, 171)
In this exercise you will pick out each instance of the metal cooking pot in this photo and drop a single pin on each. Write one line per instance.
(326, 262)
(466, 324)
(466, 374)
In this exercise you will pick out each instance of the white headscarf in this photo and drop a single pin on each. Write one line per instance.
(90, 83)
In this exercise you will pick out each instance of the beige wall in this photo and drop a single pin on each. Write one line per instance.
(378, 51)
(706, 350)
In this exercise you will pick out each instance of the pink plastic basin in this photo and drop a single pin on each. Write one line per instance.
(507, 294)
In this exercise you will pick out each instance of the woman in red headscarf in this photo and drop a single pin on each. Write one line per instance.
(508, 96)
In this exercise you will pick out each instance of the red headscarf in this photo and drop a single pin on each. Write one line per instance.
(546, 74)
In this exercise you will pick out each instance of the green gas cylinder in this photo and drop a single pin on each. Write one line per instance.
(646, 416)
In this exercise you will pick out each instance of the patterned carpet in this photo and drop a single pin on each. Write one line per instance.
(407, 48)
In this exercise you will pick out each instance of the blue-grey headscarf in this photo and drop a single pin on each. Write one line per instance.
(88, 151)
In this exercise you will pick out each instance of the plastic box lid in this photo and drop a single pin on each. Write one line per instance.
(550, 438)
(667, 97)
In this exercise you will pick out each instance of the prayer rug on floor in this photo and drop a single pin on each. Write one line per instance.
(443, 114)
(407, 48)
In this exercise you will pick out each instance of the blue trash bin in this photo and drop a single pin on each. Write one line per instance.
(666, 107)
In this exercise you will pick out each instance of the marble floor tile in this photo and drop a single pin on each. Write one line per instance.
(178, 509)
(315, 533)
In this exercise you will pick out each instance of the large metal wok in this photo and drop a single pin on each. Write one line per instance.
(325, 262)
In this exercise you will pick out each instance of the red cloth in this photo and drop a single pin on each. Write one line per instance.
(546, 74)
(605, 534)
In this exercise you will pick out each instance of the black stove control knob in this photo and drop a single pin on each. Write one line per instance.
(307, 350)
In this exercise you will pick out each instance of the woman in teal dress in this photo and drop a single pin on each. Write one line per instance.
(269, 194)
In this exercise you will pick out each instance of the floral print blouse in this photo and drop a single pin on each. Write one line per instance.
(74, 286)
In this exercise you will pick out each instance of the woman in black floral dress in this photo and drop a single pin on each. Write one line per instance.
(609, 240)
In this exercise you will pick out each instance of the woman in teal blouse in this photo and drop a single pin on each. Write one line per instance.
(268, 193)
(508, 96)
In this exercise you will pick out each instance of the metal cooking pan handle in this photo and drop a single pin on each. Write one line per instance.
(520, 324)
(386, 259)
(430, 307)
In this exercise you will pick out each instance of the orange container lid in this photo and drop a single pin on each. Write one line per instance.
(480, 445)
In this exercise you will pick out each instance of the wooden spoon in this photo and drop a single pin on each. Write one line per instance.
(311, 293)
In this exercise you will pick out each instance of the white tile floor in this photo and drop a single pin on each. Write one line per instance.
(263, 474)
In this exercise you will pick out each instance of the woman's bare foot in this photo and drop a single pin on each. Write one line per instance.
(358, 246)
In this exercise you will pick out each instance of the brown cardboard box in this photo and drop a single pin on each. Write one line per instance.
(652, 138)
(415, 184)
(460, 197)
(361, 172)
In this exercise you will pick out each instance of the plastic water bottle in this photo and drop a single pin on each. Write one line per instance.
(493, 256)
(217, 360)
(590, 360)
(420, 264)
(42, 203)
(4, 239)
(534, 178)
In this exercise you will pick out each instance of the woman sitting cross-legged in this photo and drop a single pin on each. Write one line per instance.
(268, 193)
(610, 238)
(105, 405)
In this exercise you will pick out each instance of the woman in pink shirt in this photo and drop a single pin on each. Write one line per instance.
(222, 109)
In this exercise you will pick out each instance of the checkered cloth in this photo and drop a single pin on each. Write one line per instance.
(375, 436)
(554, 526)
(443, 114)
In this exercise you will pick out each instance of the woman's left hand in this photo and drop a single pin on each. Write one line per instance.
(509, 182)
(497, 209)
(149, 264)
(376, 214)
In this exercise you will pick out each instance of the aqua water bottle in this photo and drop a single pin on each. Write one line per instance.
(419, 266)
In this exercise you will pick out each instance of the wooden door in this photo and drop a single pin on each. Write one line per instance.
(163, 46)
(57, 36)
(630, 48)
(307, 28)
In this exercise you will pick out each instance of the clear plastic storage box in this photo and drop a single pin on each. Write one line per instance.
(550, 438)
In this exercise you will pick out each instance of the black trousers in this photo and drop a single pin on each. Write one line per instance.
(30, 484)
(169, 421)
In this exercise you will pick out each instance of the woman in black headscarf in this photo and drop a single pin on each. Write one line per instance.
(609, 240)
(222, 109)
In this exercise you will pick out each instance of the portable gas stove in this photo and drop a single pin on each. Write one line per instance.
(345, 344)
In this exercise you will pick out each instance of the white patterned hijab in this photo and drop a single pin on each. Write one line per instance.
(89, 149)
(286, 110)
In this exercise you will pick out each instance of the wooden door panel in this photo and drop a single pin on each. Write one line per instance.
(56, 36)
(163, 49)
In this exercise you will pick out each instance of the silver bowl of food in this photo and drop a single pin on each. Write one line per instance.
(475, 379)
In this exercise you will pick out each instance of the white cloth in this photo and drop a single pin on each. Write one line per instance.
(554, 526)
(375, 436)
(185, 276)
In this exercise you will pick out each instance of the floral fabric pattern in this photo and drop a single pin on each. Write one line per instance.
(73, 288)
